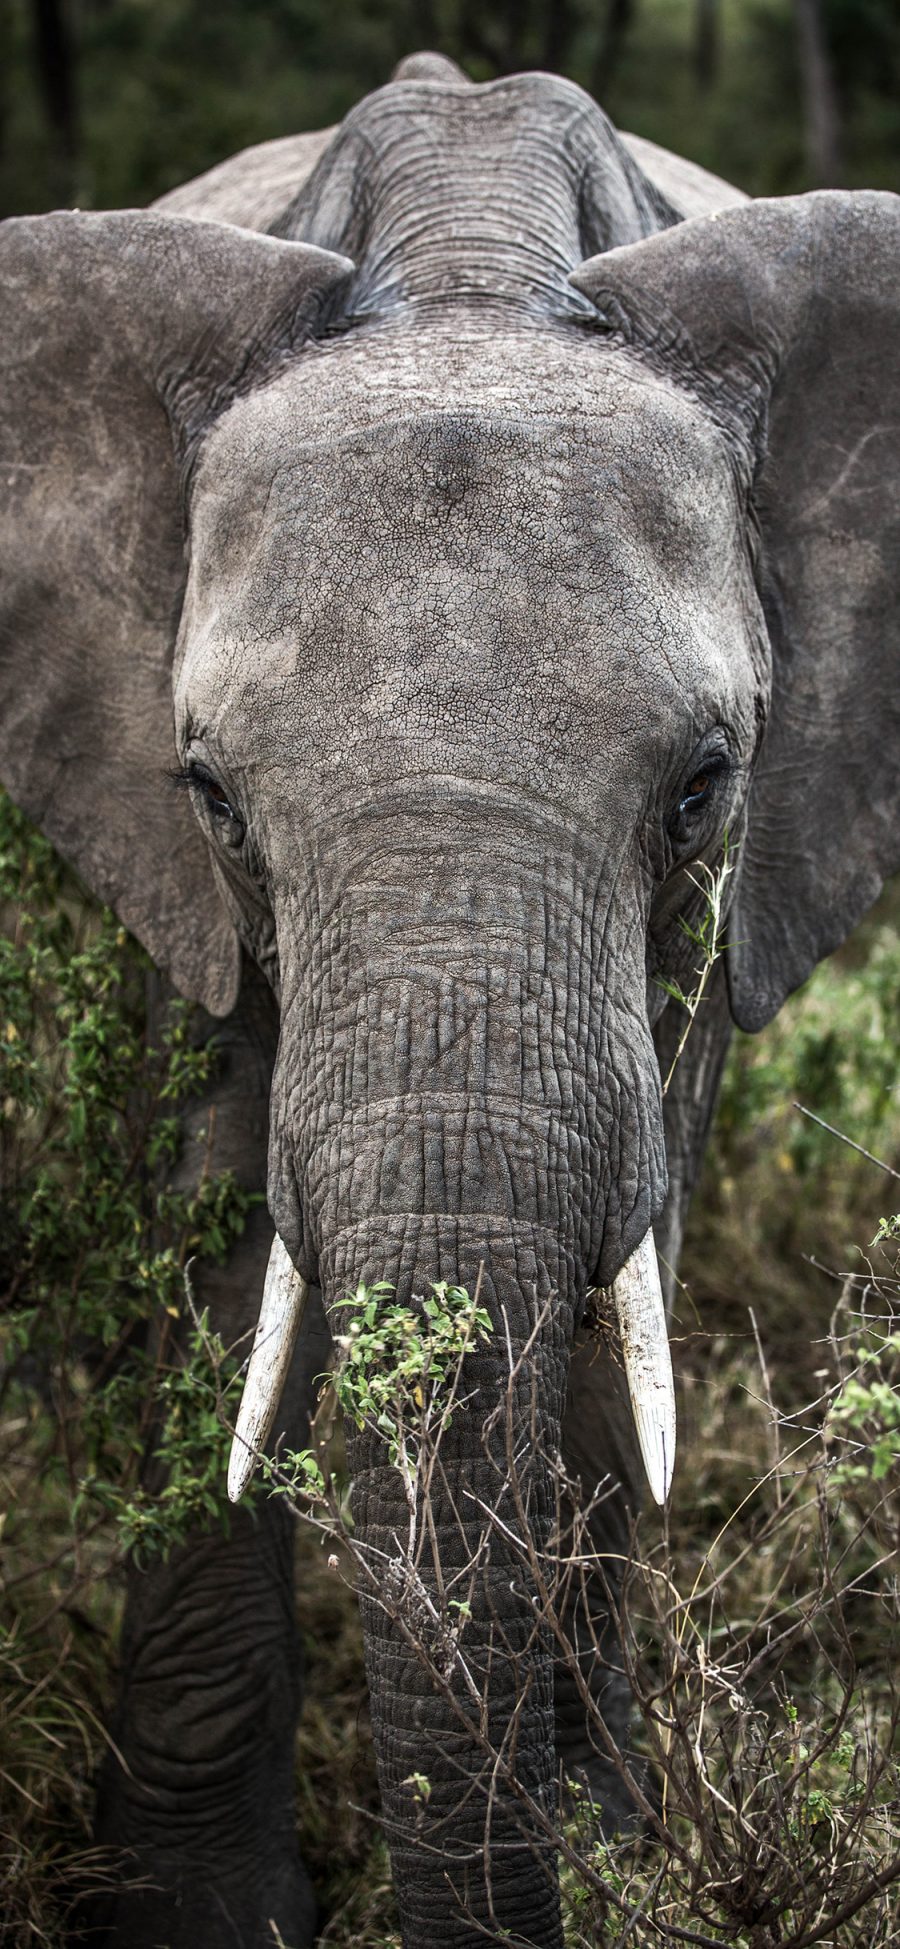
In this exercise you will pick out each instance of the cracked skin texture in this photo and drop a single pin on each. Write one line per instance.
(452, 647)
(479, 562)
(518, 620)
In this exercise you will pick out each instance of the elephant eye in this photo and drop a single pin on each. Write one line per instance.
(215, 794)
(216, 800)
(700, 791)
(696, 792)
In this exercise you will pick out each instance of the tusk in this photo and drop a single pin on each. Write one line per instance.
(283, 1301)
(638, 1300)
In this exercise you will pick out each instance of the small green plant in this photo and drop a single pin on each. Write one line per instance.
(400, 1369)
(398, 1373)
(399, 1365)
(865, 1415)
(296, 1472)
(704, 932)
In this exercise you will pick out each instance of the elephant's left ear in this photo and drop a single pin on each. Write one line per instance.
(122, 336)
(784, 317)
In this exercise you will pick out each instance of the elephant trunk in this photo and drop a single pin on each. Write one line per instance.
(465, 1089)
(460, 1672)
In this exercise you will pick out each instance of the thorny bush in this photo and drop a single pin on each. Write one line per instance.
(762, 1662)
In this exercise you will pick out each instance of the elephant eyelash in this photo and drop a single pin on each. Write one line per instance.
(197, 778)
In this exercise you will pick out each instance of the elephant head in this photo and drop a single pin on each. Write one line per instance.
(490, 593)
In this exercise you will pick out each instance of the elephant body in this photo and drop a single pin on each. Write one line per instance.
(499, 519)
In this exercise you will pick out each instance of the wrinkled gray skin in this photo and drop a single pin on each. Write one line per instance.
(485, 570)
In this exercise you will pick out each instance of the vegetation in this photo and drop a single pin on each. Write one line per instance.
(93, 1249)
(397, 1373)
(755, 1643)
(108, 103)
(785, 1207)
(703, 929)
(758, 1614)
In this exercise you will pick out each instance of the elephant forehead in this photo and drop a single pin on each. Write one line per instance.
(537, 578)
(389, 439)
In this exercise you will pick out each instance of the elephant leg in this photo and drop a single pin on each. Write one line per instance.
(598, 1435)
(197, 1792)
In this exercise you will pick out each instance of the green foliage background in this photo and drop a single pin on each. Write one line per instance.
(139, 95)
(94, 1246)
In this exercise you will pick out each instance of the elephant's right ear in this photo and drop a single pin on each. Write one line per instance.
(121, 337)
(783, 318)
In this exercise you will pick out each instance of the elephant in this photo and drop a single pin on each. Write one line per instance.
(493, 518)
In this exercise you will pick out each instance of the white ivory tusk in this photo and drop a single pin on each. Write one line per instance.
(641, 1313)
(283, 1301)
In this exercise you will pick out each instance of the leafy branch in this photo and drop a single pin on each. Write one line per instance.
(398, 1374)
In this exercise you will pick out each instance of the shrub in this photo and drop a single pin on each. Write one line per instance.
(97, 1360)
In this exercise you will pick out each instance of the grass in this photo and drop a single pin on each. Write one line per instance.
(784, 1209)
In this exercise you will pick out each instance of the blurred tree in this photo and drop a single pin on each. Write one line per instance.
(619, 16)
(511, 36)
(706, 41)
(423, 15)
(823, 137)
(560, 27)
(111, 102)
(55, 69)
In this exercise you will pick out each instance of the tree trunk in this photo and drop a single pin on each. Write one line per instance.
(474, 41)
(706, 42)
(513, 28)
(820, 104)
(619, 19)
(54, 62)
(560, 27)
